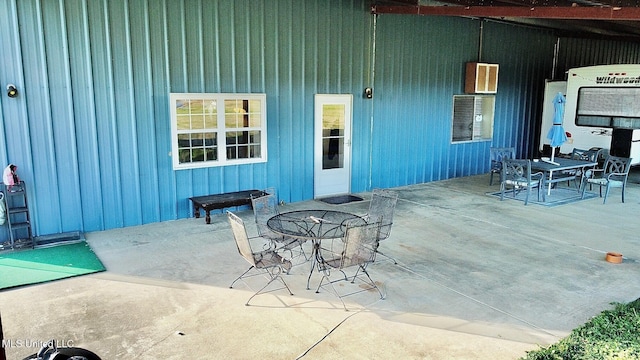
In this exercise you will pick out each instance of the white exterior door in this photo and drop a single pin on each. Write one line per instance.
(332, 145)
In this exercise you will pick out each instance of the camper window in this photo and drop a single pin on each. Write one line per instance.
(608, 107)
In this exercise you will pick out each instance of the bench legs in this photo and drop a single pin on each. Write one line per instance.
(207, 216)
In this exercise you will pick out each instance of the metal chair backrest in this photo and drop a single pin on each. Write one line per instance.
(586, 155)
(381, 209)
(264, 208)
(241, 237)
(360, 244)
(498, 154)
(516, 172)
(617, 168)
(578, 154)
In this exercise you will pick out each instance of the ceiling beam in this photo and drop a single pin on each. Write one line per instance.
(397, 2)
(542, 12)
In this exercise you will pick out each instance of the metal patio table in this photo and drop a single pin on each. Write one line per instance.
(314, 225)
(562, 164)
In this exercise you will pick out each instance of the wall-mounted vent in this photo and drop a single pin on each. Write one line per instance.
(481, 78)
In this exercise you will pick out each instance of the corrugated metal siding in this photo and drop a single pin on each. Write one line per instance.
(94, 100)
(420, 64)
(526, 59)
(14, 130)
(90, 130)
(418, 78)
(574, 53)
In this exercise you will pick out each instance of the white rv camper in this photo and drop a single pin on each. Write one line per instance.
(602, 109)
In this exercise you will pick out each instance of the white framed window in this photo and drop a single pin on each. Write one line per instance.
(217, 129)
(472, 118)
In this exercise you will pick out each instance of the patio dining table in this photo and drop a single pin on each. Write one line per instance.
(314, 225)
(561, 164)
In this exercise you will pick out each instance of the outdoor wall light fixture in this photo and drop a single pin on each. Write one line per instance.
(368, 93)
(12, 91)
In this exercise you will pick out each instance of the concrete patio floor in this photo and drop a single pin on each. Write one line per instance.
(477, 278)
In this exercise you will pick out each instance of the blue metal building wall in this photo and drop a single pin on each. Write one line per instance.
(90, 130)
(420, 64)
(417, 78)
(526, 60)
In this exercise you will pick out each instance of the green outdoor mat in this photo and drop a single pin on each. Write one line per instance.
(46, 264)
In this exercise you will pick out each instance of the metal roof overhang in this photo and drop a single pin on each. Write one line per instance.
(544, 12)
(611, 22)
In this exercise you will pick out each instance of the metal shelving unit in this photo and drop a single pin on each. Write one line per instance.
(18, 221)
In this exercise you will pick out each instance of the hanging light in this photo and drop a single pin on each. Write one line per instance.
(12, 91)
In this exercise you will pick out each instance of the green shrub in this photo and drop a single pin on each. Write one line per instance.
(613, 334)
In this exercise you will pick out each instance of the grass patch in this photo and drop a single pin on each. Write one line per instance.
(613, 334)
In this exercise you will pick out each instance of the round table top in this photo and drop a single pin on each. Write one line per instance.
(313, 224)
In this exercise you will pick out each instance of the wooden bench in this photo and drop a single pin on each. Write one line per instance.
(221, 201)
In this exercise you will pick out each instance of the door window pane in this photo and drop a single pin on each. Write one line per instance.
(333, 121)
